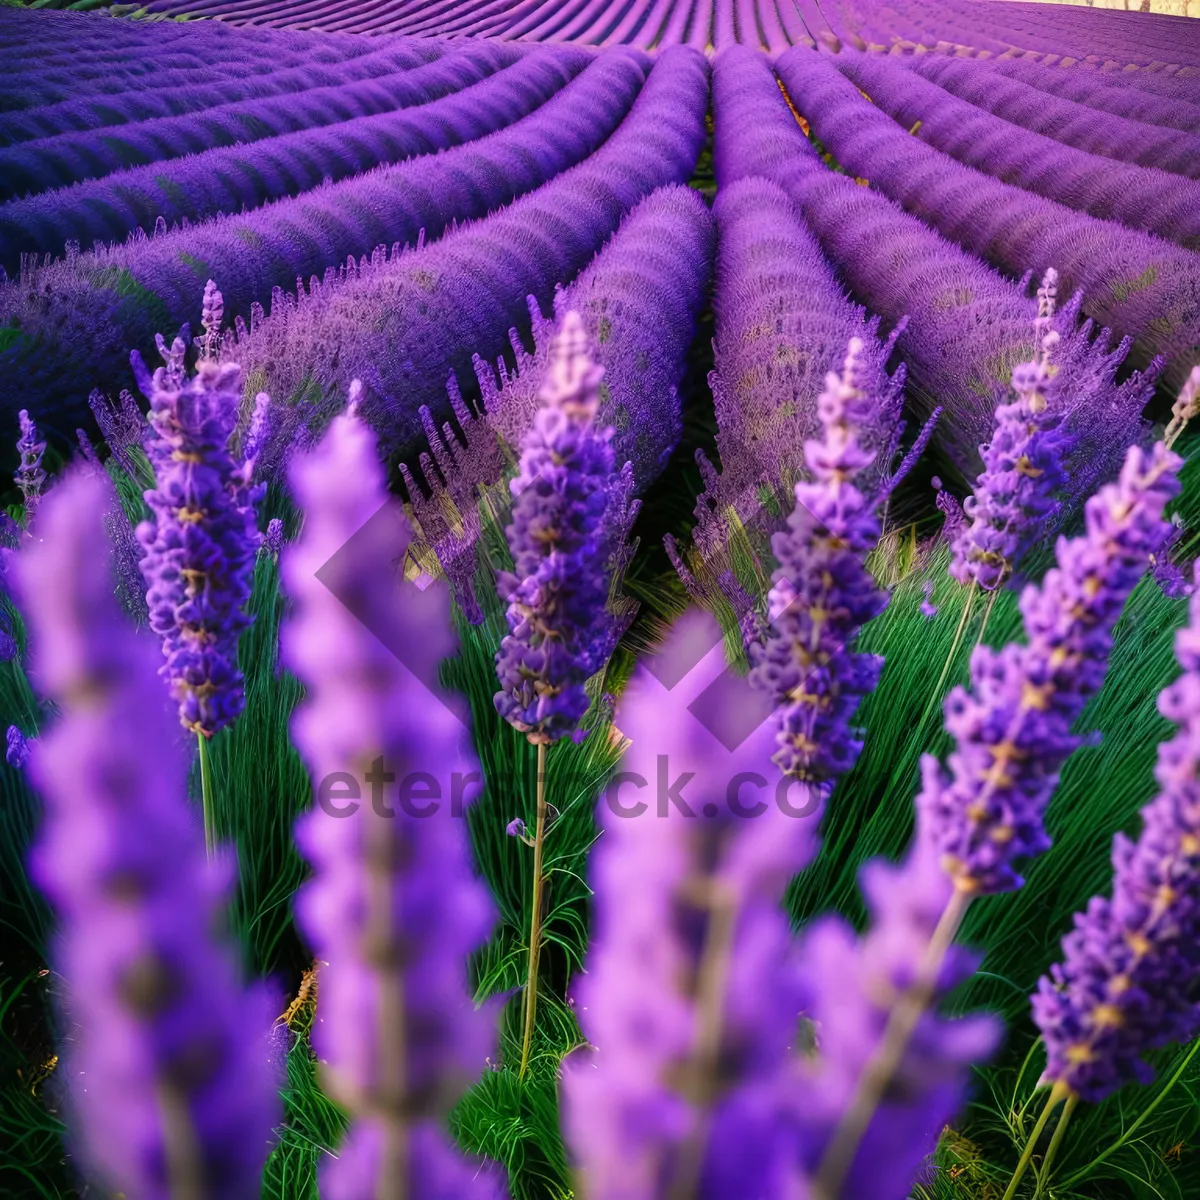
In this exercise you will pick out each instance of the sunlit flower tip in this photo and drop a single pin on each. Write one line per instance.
(822, 594)
(30, 476)
(515, 828)
(17, 753)
(928, 608)
(563, 542)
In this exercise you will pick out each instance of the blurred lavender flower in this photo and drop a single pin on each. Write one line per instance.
(393, 907)
(1014, 727)
(850, 986)
(170, 1093)
(17, 753)
(1130, 973)
(200, 548)
(30, 476)
(563, 542)
(1186, 406)
(691, 996)
(822, 594)
(1022, 466)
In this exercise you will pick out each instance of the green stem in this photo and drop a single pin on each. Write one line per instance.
(206, 790)
(1056, 1094)
(535, 919)
(1083, 1172)
(987, 612)
(935, 695)
(1055, 1142)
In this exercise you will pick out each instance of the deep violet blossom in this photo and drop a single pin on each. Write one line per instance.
(171, 1092)
(1022, 466)
(273, 539)
(1013, 726)
(393, 908)
(822, 593)
(563, 545)
(16, 753)
(199, 550)
(1128, 979)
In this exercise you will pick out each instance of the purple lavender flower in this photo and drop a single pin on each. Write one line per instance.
(1022, 466)
(850, 985)
(200, 547)
(515, 828)
(563, 545)
(273, 538)
(17, 754)
(171, 1093)
(1131, 966)
(822, 594)
(30, 475)
(123, 426)
(948, 504)
(929, 610)
(212, 314)
(393, 906)
(8, 644)
(1014, 727)
(691, 997)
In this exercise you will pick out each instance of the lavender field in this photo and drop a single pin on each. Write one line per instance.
(599, 600)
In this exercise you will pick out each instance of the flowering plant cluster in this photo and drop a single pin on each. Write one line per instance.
(198, 552)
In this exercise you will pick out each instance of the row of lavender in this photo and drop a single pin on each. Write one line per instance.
(771, 25)
(178, 1099)
(73, 321)
(1137, 285)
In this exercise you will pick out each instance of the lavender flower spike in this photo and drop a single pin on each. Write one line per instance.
(17, 752)
(1022, 466)
(172, 1092)
(200, 548)
(563, 547)
(30, 476)
(393, 906)
(1013, 727)
(212, 314)
(1131, 967)
(822, 594)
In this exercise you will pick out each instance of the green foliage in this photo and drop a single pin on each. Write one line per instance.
(312, 1125)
